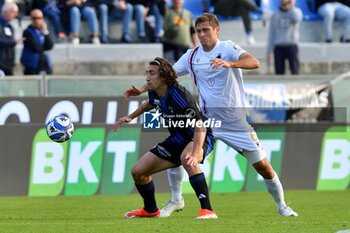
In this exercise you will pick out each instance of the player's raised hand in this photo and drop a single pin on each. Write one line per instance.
(125, 119)
(217, 63)
(133, 91)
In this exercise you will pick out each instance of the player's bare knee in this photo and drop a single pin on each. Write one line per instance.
(139, 176)
(135, 173)
(186, 167)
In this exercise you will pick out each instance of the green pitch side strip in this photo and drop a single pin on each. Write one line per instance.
(47, 169)
(273, 142)
(85, 161)
(122, 152)
(334, 169)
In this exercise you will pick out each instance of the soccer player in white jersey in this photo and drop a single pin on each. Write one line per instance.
(215, 67)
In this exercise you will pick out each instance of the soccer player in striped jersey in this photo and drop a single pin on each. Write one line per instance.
(215, 67)
(186, 145)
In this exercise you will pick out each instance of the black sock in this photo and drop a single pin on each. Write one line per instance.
(147, 193)
(200, 186)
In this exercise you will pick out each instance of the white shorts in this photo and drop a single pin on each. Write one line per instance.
(246, 143)
(237, 133)
(240, 141)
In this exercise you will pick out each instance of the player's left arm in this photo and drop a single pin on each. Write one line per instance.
(200, 131)
(197, 151)
(245, 61)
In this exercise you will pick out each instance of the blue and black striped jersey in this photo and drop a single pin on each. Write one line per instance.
(177, 106)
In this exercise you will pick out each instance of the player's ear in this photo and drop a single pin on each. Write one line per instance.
(217, 29)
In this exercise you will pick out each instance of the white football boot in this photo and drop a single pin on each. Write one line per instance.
(171, 207)
(287, 211)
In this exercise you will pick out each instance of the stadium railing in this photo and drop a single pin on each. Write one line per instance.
(99, 85)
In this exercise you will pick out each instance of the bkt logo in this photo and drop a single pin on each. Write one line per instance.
(151, 120)
(92, 162)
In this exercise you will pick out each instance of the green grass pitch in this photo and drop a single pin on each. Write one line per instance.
(322, 211)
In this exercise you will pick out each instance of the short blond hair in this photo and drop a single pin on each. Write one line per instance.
(207, 17)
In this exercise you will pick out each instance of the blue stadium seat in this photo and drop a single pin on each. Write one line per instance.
(308, 9)
(254, 15)
(269, 5)
(306, 6)
(195, 6)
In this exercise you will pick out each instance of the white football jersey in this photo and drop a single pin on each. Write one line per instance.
(218, 87)
(221, 90)
(221, 93)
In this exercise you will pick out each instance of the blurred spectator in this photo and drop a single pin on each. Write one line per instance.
(51, 11)
(140, 9)
(37, 41)
(179, 32)
(9, 11)
(206, 5)
(111, 10)
(102, 7)
(154, 21)
(234, 8)
(284, 37)
(122, 10)
(74, 10)
(334, 10)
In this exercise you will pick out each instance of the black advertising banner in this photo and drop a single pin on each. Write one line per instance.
(293, 103)
(80, 110)
(312, 105)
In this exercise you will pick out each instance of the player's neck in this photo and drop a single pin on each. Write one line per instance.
(208, 48)
(162, 90)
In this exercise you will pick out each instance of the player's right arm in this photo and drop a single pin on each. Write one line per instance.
(180, 67)
(134, 91)
(197, 151)
(145, 106)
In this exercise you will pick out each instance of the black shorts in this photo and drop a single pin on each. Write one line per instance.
(171, 151)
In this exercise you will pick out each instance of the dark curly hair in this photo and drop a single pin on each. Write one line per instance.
(166, 71)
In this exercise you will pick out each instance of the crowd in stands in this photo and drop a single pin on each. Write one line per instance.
(65, 16)
(168, 21)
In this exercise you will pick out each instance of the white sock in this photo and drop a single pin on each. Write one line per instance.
(275, 188)
(175, 176)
